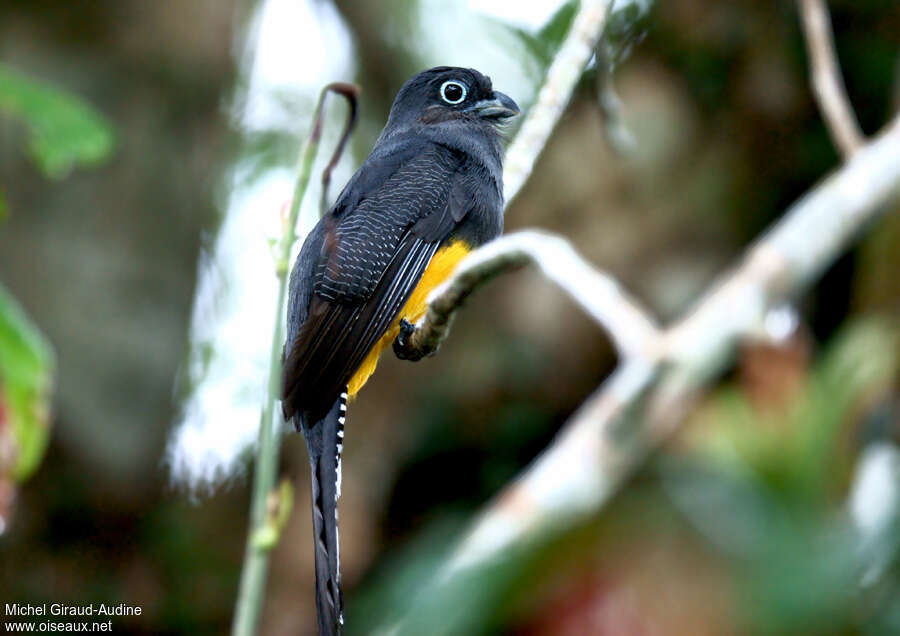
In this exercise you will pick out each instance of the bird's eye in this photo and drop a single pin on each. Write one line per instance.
(453, 92)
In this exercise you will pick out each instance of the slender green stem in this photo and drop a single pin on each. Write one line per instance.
(262, 535)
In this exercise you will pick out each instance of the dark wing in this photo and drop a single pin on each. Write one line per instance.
(371, 258)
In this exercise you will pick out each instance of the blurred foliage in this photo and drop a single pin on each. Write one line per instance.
(739, 528)
(26, 378)
(264, 150)
(626, 28)
(877, 286)
(765, 478)
(63, 131)
(795, 446)
(760, 475)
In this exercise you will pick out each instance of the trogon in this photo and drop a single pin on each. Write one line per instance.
(430, 191)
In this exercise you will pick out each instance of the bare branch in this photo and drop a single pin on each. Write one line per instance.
(645, 399)
(572, 478)
(563, 75)
(351, 94)
(825, 75)
(568, 65)
(631, 328)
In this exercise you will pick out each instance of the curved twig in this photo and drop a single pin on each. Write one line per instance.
(574, 54)
(631, 328)
(825, 76)
(647, 397)
(350, 92)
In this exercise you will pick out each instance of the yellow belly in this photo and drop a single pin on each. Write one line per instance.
(441, 266)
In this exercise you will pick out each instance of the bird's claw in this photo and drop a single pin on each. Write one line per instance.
(402, 347)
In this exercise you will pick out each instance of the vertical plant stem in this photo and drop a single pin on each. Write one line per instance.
(262, 535)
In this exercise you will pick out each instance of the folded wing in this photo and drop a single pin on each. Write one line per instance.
(372, 254)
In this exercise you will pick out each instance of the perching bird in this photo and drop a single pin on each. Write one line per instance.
(429, 193)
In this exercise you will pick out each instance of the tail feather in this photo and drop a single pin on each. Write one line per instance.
(325, 442)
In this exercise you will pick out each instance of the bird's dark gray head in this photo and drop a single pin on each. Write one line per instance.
(447, 93)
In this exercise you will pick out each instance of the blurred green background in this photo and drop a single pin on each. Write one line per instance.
(129, 129)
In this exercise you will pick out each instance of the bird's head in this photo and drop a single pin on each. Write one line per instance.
(448, 93)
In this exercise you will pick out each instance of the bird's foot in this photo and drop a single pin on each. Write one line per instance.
(403, 348)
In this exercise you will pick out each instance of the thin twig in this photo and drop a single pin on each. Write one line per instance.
(262, 535)
(631, 328)
(351, 94)
(645, 399)
(562, 77)
(825, 76)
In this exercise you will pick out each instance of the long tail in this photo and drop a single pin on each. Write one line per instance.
(325, 441)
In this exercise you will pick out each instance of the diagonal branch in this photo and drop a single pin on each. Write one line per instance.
(646, 398)
(562, 76)
(827, 85)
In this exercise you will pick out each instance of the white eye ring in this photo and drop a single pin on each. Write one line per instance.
(459, 85)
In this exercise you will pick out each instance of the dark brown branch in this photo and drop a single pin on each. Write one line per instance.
(350, 92)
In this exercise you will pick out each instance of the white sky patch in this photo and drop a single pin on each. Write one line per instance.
(472, 35)
(528, 14)
(293, 50)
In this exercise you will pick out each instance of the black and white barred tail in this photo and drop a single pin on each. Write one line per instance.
(325, 442)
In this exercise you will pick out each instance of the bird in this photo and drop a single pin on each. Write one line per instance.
(430, 192)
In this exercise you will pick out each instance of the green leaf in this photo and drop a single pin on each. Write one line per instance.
(554, 32)
(63, 131)
(26, 379)
(544, 44)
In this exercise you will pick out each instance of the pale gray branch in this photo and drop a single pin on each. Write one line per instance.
(630, 327)
(552, 99)
(645, 399)
(562, 77)
(662, 371)
(825, 77)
